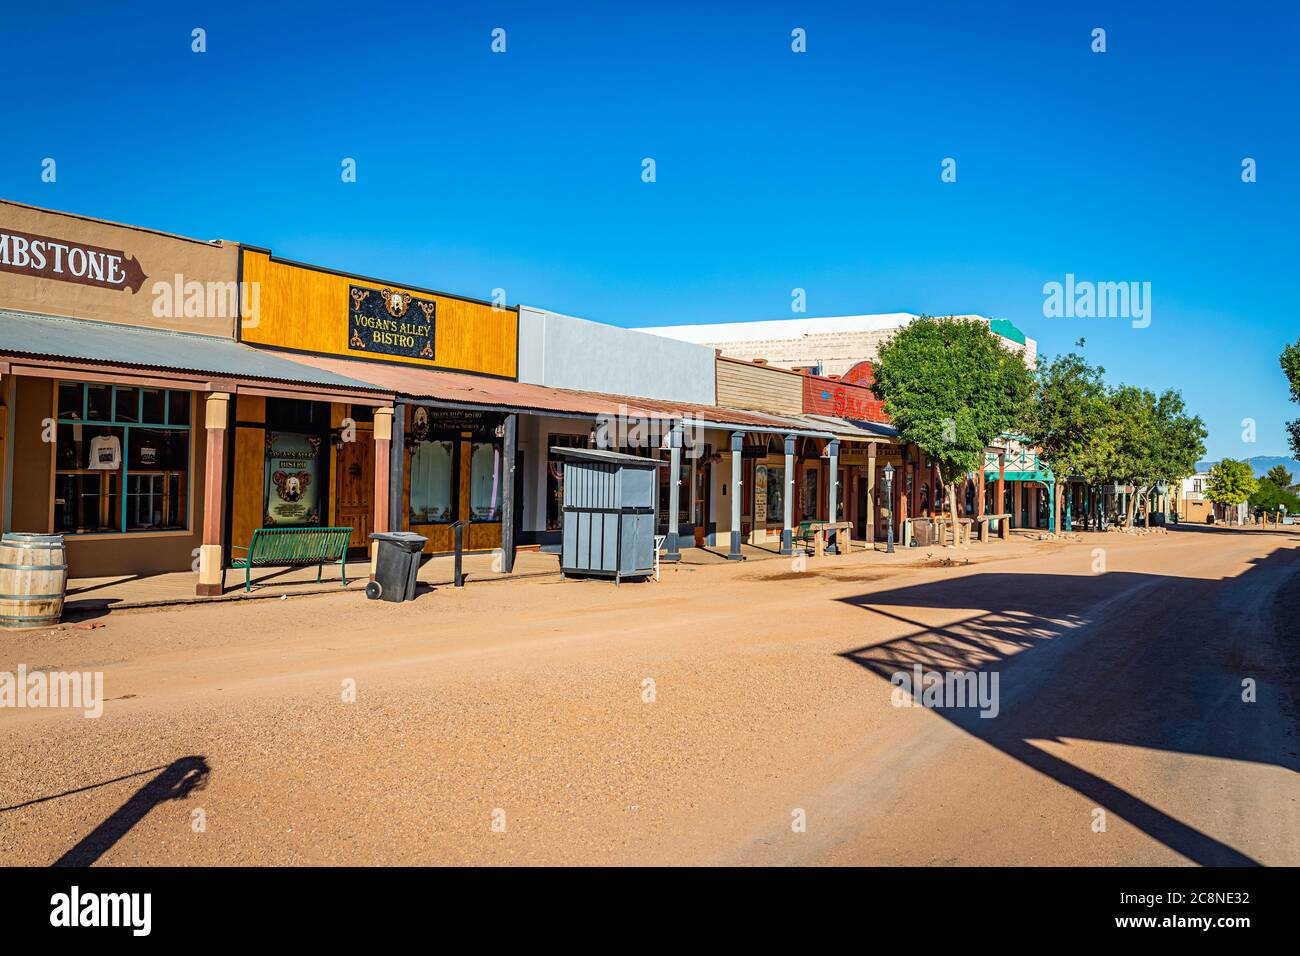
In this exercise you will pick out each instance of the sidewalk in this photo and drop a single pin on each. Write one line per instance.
(89, 597)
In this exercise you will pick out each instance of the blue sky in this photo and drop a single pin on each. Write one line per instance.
(775, 170)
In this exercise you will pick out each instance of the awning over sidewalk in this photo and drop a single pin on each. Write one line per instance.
(43, 338)
(477, 391)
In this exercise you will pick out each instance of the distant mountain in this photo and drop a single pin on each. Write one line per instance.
(1261, 464)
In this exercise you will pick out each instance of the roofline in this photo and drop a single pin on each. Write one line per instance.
(210, 243)
(280, 260)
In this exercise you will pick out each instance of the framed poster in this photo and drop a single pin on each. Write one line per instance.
(293, 479)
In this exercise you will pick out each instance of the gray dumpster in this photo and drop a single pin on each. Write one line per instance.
(610, 511)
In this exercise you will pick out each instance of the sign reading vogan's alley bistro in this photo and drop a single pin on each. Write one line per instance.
(390, 321)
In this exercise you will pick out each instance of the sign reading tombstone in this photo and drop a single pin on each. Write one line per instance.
(65, 261)
(391, 322)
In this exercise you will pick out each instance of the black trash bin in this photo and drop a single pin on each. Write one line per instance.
(399, 561)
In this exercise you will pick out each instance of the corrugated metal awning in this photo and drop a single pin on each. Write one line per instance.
(45, 337)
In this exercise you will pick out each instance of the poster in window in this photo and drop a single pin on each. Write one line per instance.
(293, 479)
(760, 489)
(776, 495)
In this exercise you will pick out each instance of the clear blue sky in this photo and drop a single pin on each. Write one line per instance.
(775, 170)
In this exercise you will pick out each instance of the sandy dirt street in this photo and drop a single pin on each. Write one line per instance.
(735, 714)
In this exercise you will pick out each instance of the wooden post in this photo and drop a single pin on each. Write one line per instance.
(212, 567)
(871, 494)
(510, 448)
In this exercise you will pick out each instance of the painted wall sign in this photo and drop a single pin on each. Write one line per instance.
(822, 396)
(293, 479)
(46, 258)
(391, 322)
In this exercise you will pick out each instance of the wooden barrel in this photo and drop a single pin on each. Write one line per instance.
(33, 578)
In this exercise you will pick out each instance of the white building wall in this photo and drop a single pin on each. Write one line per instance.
(561, 351)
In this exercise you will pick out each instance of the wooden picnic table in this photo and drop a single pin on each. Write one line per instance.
(820, 530)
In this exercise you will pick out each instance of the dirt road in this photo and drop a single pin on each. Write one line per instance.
(737, 714)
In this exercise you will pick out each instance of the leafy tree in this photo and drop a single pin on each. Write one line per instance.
(1279, 476)
(1177, 443)
(1068, 419)
(1290, 362)
(951, 389)
(1230, 483)
(1130, 447)
(1269, 495)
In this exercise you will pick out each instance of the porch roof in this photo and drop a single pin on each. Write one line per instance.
(480, 391)
(47, 338)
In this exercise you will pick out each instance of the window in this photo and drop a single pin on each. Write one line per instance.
(808, 504)
(485, 478)
(432, 488)
(683, 488)
(121, 459)
(775, 495)
(555, 477)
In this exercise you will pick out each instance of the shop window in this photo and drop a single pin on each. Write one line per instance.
(432, 486)
(555, 477)
(841, 493)
(111, 474)
(808, 501)
(775, 495)
(485, 478)
(683, 489)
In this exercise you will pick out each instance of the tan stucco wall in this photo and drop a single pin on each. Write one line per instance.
(161, 256)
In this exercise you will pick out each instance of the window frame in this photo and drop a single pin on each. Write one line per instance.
(166, 424)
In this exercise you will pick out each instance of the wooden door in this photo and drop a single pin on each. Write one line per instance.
(354, 505)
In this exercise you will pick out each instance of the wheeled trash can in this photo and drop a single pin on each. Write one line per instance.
(397, 565)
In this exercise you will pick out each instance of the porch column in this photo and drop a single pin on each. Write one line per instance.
(832, 482)
(673, 543)
(871, 493)
(212, 568)
(397, 471)
(979, 489)
(383, 435)
(1002, 474)
(510, 449)
(737, 453)
(787, 498)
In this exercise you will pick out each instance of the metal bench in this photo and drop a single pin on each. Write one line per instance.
(294, 547)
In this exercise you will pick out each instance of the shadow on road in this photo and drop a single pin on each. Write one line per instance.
(176, 782)
(1143, 660)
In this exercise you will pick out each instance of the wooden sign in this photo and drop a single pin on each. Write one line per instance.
(390, 321)
(45, 258)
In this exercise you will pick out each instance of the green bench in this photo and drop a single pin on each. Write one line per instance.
(294, 547)
(805, 534)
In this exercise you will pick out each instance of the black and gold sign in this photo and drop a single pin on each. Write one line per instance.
(390, 322)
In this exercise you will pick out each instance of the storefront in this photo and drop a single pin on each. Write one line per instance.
(120, 382)
(449, 463)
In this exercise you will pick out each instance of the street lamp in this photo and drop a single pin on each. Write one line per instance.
(889, 497)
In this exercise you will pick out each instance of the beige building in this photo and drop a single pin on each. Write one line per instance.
(827, 346)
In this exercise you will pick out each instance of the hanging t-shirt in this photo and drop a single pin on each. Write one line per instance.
(105, 453)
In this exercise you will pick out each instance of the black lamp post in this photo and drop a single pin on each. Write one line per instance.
(889, 497)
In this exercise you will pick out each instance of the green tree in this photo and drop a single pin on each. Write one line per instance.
(1176, 444)
(1230, 483)
(1068, 419)
(1290, 362)
(1279, 476)
(951, 389)
(1269, 495)
(1130, 442)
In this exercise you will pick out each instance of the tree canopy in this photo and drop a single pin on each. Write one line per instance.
(1290, 362)
(1230, 483)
